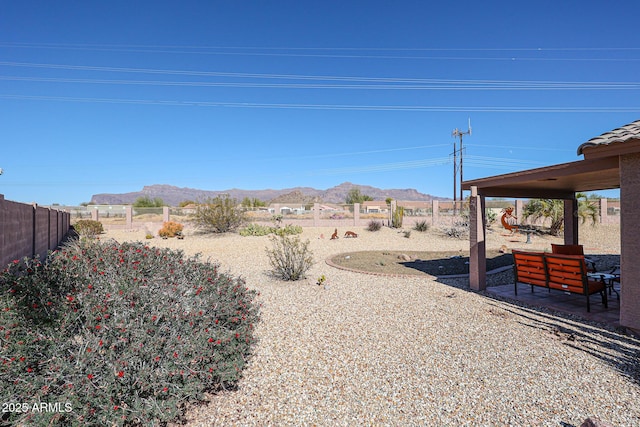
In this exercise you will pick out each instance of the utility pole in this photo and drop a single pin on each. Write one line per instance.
(458, 133)
(455, 173)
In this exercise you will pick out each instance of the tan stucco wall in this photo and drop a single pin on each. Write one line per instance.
(630, 240)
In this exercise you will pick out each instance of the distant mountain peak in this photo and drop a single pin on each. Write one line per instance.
(172, 195)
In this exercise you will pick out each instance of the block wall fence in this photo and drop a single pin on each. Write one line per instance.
(437, 214)
(29, 230)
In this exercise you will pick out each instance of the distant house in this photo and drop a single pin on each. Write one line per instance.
(412, 208)
(286, 210)
(330, 208)
(189, 209)
(375, 206)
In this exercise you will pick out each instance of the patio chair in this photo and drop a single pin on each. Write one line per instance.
(574, 250)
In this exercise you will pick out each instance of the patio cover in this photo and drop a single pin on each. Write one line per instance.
(560, 181)
(611, 160)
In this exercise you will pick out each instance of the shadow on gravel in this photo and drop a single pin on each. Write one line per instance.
(613, 345)
(456, 265)
(606, 343)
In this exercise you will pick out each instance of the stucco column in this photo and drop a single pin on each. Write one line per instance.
(435, 210)
(356, 214)
(129, 216)
(629, 242)
(477, 249)
(519, 206)
(165, 213)
(604, 210)
(571, 222)
(316, 214)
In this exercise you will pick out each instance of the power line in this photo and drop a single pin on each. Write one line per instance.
(269, 51)
(433, 86)
(337, 107)
(507, 84)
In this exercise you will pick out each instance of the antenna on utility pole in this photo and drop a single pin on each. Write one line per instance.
(458, 133)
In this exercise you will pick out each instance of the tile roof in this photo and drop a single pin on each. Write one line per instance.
(622, 134)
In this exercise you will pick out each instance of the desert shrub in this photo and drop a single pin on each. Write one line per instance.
(288, 229)
(397, 216)
(421, 226)
(263, 230)
(374, 225)
(219, 215)
(456, 231)
(289, 257)
(254, 229)
(88, 227)
(121, 334)
(148, 202)
(490, 216)
(170, 229)
(407, 233)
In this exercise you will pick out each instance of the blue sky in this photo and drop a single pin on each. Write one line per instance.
(110, 96)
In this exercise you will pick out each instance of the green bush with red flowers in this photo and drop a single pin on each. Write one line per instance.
(118, 334)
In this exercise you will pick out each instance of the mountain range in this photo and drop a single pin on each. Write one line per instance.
(173, 196)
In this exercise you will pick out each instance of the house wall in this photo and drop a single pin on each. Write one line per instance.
(630, 244)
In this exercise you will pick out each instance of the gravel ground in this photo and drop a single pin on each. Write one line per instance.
(379, 350)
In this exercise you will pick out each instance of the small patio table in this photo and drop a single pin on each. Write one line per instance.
(608, 279)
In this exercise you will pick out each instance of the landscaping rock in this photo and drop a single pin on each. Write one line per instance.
(594, 422)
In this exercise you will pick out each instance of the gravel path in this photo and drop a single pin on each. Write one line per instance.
(375, 350)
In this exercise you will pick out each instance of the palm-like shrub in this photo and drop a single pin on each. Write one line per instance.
(553, 210)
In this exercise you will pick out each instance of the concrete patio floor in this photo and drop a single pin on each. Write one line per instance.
(564, 302)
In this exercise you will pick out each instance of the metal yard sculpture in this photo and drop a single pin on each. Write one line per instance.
(509, 221)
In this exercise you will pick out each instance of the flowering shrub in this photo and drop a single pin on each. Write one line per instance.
(119, 334)
(170, 229)
(88, 227)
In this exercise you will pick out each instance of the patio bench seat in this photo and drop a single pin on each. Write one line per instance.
(566, 273)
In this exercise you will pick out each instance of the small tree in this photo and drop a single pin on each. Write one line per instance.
(147, 202)
(254, 202)
(355, 196)
(219, 215)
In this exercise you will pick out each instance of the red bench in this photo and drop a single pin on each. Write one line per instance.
(566, 273)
